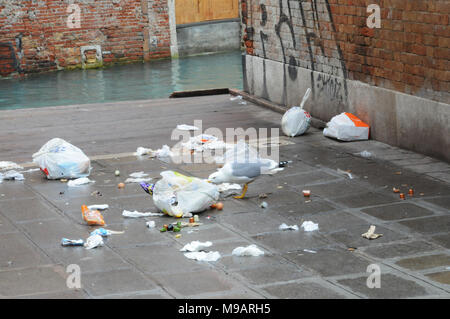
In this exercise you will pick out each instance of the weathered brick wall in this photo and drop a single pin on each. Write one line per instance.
(37, 32)
(410, 53)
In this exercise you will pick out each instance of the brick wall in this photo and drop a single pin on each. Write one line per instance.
(38, 34)
(410, 53)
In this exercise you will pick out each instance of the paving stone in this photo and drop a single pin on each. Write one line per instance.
(443, 202)
(336, 189)
(161, 258)
(48, 233)
(440, 277)
(330, 262)
(15, 190)
(234, 263)
(392, 286)
(108, 282)
(32, 280)
(391, 250)
(303, 290)
(365, 199)
(351, 237)
(428, 225)
(252, 223)
(141, 295)
(27, 210)
(89, 260)
(397, 211)
(299, 181)
(17, 251)
(65, 294)
(304, 210)
(6, 226)
(443, 240)
(268, 274)
(425, 262)
(193, 283)
(284, 241)
(332, 222)
(211, 233)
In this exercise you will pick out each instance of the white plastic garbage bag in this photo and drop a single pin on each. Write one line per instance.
(347, 127)
(178, 195)
(60, 159)
(296, 121)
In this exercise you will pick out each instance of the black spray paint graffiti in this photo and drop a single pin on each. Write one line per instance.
(320, 84)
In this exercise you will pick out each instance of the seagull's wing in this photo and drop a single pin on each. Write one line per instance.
(250, 170)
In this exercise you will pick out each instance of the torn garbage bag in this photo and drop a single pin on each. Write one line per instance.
(60, 159)
(178, 195)
(347, 127)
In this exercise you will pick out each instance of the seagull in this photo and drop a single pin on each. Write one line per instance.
(245, 173)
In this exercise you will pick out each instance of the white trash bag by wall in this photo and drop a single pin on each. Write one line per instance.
(347, 127)
(60, 159)
(296, 120)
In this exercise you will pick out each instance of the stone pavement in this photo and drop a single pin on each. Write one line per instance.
(413, 253)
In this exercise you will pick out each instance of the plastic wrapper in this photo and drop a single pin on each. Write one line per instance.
(177, 195)
(92, 217)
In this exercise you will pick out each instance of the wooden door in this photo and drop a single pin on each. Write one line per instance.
(192, 11)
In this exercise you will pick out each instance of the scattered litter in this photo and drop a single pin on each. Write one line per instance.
(200, 143)
(251, 250)
(218, 206)
(203, 256)
(117, 173)
(263, 196)
(60, 159)
(105, 232)
(164, 152)
(79, 182)
(296, 120)
(96, 193)
(365, 154)
(286, 227)
(402, 196)
(396, 190)
(347, 127)
(310, 251)
(411, 192)
(137, 214)
(227, 186)
(94, 241)
(345, 173)
(138, 175)
(151, 224)
(306, 193)
(148, 188)
(236, 98)
(178, 236)
(264, 205)
(11, 175)
(196, 246)
(9, 165)
(92, 217)
(184, 127)
(371, 233)
(310, 226)
(121, 186)
(141, 151)
(98, 207)
(138, 180)
(352, 248)
(196, 218)
(72, 242)
(64, 180)
(180, 196)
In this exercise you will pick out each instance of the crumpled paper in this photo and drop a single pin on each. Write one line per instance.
(371, 233)
(251, 250)
(196, 246)
(203, 256)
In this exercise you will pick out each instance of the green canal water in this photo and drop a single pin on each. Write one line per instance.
(138, 81)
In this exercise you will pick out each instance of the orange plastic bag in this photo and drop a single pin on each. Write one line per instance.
(92, 217)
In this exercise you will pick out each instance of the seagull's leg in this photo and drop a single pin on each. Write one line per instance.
(244, 191)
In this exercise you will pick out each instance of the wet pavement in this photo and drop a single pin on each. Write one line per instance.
(413, 253)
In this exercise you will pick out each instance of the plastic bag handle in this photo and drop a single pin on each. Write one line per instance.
(305, 97)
